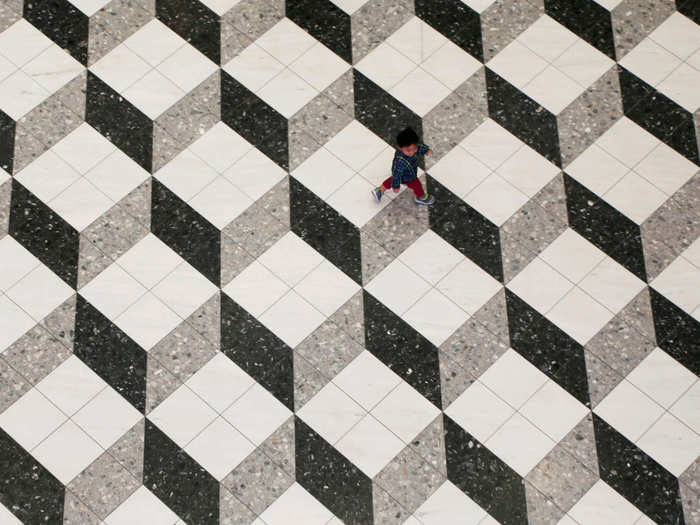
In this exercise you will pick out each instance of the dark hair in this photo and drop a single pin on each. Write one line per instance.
(406, 138)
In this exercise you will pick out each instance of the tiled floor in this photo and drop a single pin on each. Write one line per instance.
(206, 319)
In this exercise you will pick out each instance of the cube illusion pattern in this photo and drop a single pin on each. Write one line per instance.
(205, 318)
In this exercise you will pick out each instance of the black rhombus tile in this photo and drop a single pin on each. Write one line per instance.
(523, 117)
(690, 8)
(604, 226)
(676, 332)
(636, 476)
(588, 19)
(466, 229)
(30, 491)
(256, 121)
(326, 22)
(400, 347)
(484, 477)
(178, 480)
(331, 478)
(547, 347)
(186, 232)
(195, 23)
(325, 230)
(132, 131)
(63, 23)
(257, 350)
(110, 353)
(44, 233)
(455, 20)
(7, 141)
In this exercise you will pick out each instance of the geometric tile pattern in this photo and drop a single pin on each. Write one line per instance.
(205, 318)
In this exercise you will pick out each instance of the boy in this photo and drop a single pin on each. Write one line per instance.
(404, 168)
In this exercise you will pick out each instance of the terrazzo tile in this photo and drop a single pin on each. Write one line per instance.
(633, 20)
(113, 24)
(351, 318)
(36, 354)
(75, 512)
(128, 450)
(474, 347)
(12, 385)
(329, 349)
(232, 511)
(504, 20)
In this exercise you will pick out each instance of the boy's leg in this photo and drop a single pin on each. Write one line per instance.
(421, 197)
(377, 192)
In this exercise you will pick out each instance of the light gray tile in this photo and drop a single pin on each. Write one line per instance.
(634, 20)
(409, 479)
(252, 18)
(602, 379)
(351, 318)
(280, 447)
(91, 262)
(255, 230)
(562, 478)
(531, 227)
(61, 322)
(308, 381)
(236, 41)
(515, 257)
(375, 21)
(12, 385)
(589, 116)
(374, 257)
(473, 347)
(232, 511)
(114, 23)
(493, 315)
(430, 445)
(258, 481)
(387, 511)
(27, 149)
(160, 383)
(75, 512)
(553, 198)
(503, 21)
(10, 12)
(691, 505)
(637, 314)
(541, 510)
(36, 354)
(234, 259)
(301, 146)
(691, 476)
(207, 320)
(322, 118)
(74, 94)
(454, 379)
(276, 202)
(5, 197)
(128, 449)
(460, 113)
(138, 202)
(104, 485)
(183, 351)
(342, 92)
(329, 349)
(580, 442)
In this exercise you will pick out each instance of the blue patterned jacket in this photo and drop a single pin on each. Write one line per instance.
(404, 168)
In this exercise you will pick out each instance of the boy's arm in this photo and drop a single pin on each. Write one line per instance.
(396, 171)
(423, 149)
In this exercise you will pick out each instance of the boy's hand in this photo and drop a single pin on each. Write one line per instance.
(396, 190)
(429, 152)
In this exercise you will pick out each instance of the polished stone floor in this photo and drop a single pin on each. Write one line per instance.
(205, 318)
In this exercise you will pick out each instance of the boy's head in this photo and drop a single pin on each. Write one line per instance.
(408, 142)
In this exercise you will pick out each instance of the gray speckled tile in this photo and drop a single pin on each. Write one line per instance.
(91, 262)
(541, 510)
(61, 321)
(255, 229)
(351, 318)
(473, 347)
(138, 202)
(49, 122)
(493, 315)
(387, 511)
(76, 512)
(503, 21)
(409, 479)
(250, 17)
(10, 12)
(113, 24)
(73, 95)
(580, 442)
(374, 257)
(637, 314)
(553, 199)
(342, 92)
(12, 385)
(232, 511)
(691, 476)
(323, 117)
(562, 478)
(515, 257)
(128, 449)
(375, 21)
(308, 381)
(186, 120)
(236, 41)
(114, 232)
(280, 447)
(399, 224)
(258, 481)
(276, 202)
(234, 259)
(183, 351)
(633, 20)
(460, 113)
(620, 346)
(589, 116)
(454, 379)
(430, 444)
(5, 195)
(671, 228)
(601, 378)
(301, 146)
(329, 349)
(104, 485)
(207, 320)
(160, 383)
(36, 354)
(691, 505)
(531, 227)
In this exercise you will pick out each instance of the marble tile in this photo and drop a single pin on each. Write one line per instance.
(76, 512)
(374, 22)
(13, 385)
(541, 510)
(10, 12)
(113, 24)
(160, 383)
(633, 20)
(232, 511)
(504, 20)
(308, 381)
(36, 354)
(128, 450)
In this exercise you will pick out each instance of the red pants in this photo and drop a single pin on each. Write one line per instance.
(415, 185)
